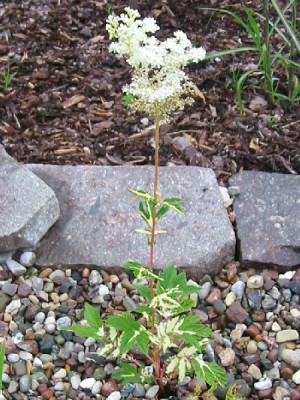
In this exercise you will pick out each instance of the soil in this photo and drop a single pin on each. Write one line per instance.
(64, 104)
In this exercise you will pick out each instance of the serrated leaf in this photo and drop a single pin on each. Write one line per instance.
(143, 342)
(191, 326)
(209, 372)
(127, 374)
(144, 291)
(139, 270)
(85, 331)
(127, 341)
(169, 278)
(92, 316)
(142, 309)
(123, 322)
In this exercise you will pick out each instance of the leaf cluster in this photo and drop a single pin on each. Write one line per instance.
(175, 329)
(152, 210)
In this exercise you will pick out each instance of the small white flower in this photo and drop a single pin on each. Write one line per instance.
(159, 84)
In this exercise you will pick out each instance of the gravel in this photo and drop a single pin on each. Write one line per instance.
(254, 315)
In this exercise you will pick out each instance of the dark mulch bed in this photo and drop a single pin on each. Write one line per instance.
(64, 105)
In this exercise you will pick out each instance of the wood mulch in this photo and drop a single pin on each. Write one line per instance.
(64, 105)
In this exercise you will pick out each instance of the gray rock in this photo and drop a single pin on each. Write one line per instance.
(20, 368)
(152, 392)
(129, 304)
(99, 218)
(10, 288)
(268, 219)
(28, 206)
(25, 383)
(204, 290)
(238, 288)
(15, 268)
(28, 258)
(139, 390)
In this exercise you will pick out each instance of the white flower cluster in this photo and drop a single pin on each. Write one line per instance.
(159, 84)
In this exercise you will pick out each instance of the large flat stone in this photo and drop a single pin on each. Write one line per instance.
(28, 207)
(268, 219)
(99, 218)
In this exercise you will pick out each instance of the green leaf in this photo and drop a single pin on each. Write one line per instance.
(127, 99)
(128, 338)
(2, 356)
(161, 212)
(123, 322)
(85, 331)
(141, 193)
(174, 203)
(191, 325)
(143, 342)
(127, 374)
(144, 291)
(169, 278)
(92, 315)
(142, 309)
(209, 372)
(139, 271)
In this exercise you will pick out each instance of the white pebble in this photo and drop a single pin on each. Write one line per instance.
(75, 381)
(60, 374)
(13, 307)
(287, 275)
(103, 290)
(87, 383)
(97, 388)
(295, 313)
(296, 377)
(276, 327)
(263, 384)
(114, 396)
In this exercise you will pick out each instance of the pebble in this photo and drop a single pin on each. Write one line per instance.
(255, 282)
(87, 383)
(227, 357)
(296, 377)
(238, 289)
(254, 371)
(291, 357)
(16, 268)
(75, 381)
(95, 278)
(204, 290)
(25, 383)
(28, 258)
(103, 290)
(263, 384)
(152, 392)
(259, 344)
(114, 396)
(129, 304)
(287, 335)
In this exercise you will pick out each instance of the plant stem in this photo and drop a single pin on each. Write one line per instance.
(152, 242)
